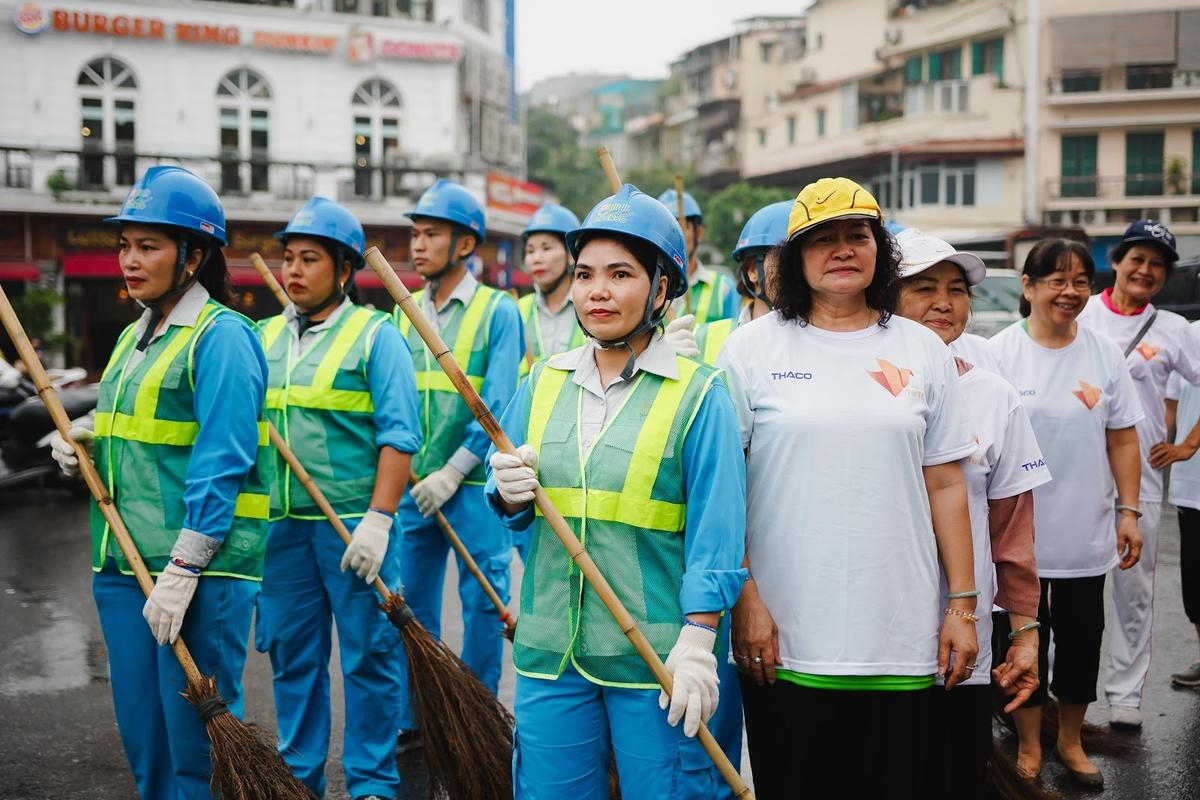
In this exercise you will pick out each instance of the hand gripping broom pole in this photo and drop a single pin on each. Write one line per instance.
(510, 625)
(565, 535)
(467, 731)
(243, 766)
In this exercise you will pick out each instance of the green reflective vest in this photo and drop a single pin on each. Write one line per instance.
(625, 501)
(145, 429)
(708, 299)
(535, 347)
(444, 414)
(711, 336)
(321, 404)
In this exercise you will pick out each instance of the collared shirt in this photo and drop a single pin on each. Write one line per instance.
(713, 468)
(230, 374)
(301, 342)
(555, 327)
(463, 293)
(726, 303)
(600, 403)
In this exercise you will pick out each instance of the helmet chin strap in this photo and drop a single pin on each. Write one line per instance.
(549, 290)
(451, 260)
(180, 283)
(650, 319)
(760, 271)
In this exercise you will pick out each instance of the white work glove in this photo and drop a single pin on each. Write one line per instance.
(516, 476)
(369, 544)
(167, 604)
(63, 451)
(681, 337)
(439, 486)
(693, 668)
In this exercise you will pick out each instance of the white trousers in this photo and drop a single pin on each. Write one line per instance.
(1133, 613)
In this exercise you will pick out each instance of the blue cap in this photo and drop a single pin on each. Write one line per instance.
(451, 202)
(1147, 230)
(766, 228)
(551, 218)
(174, 196)
(633, 213)
(326, 219)
(691, 209)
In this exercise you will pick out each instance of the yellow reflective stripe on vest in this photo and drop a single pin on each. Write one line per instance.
(123, 343)
(274, 327)
(320, 394)
(545, 395)
(705, 299)
(253, 506)
(714, 338)
(527, 305)
(464, 342)
(623, 507)
(342, 342)
(132, 428)
(321, 399)
(145, 405)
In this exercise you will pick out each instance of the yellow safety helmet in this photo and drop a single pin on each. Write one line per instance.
(829, 199)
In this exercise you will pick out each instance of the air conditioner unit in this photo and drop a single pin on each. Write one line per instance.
(892, 36)
(807, 75)
(1091, 217)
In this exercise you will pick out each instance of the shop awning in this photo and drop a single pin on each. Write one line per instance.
(240, 275)
(19, 271)
(92, 265)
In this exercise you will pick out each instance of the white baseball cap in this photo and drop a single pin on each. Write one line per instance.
(920, 251)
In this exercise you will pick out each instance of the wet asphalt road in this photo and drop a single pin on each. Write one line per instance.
(58, 738)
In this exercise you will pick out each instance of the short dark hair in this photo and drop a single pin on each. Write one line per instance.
(1052, 255)
(1121, 250)
(793, 295)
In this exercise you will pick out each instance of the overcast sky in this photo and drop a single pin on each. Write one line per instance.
(638, 37)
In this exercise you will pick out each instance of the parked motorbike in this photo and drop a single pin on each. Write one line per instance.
(26, 428)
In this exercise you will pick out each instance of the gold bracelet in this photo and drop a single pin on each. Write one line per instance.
(967, 615)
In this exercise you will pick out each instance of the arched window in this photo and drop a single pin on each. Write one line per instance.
(107, 93)
(376, 106)
(244, 107)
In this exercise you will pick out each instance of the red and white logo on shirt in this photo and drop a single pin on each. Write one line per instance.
(1148, 351)
(1088, 395)
(890, 377)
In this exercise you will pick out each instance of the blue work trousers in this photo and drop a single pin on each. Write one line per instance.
(164, 738)
(423, 572)
(567, 728)
(304, 593)
(726, 724)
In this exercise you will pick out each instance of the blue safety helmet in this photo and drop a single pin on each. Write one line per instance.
(551, 218)
(176, 197)
(325, 219)
(894, 228)
(766, 228)
(449, 201)
(633, 213)
(691, 209)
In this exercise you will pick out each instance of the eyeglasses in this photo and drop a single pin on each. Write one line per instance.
(1058, 284)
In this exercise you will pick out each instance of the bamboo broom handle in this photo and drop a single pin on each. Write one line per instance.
(687, 295)
(556, 521)
(90, 476)
(269, 279)
(510, 625)
(610, 169)
(319, 498)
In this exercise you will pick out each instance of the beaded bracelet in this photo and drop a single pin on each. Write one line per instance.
(961, 595)
(967, 615)
(1032, 626)
(700, 625)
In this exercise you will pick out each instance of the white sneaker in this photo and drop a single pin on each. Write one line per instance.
(1125, 717)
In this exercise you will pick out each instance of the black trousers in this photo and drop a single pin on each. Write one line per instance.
(1189, 561)
(821, 743)
(962, 741)
(1072, 609)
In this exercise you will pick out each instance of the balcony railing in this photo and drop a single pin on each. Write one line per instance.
(1119, 187)
(67, 173)
(1129, 78)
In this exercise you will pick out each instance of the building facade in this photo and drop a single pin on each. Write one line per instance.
(364, 102)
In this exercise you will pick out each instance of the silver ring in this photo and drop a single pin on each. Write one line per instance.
(971, 667)
(758, 659)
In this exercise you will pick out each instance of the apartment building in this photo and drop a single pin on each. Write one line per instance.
(271, 102)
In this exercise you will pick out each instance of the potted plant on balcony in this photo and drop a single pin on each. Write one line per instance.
(1176, 175)
(57, 182)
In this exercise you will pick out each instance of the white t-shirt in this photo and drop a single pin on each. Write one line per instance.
(1072, 395)
(1185, 475)
(975, 350)
(1169, 346)
(1006, 462)
(837, 428)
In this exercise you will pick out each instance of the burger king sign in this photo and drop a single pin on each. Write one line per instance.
(30, 19)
